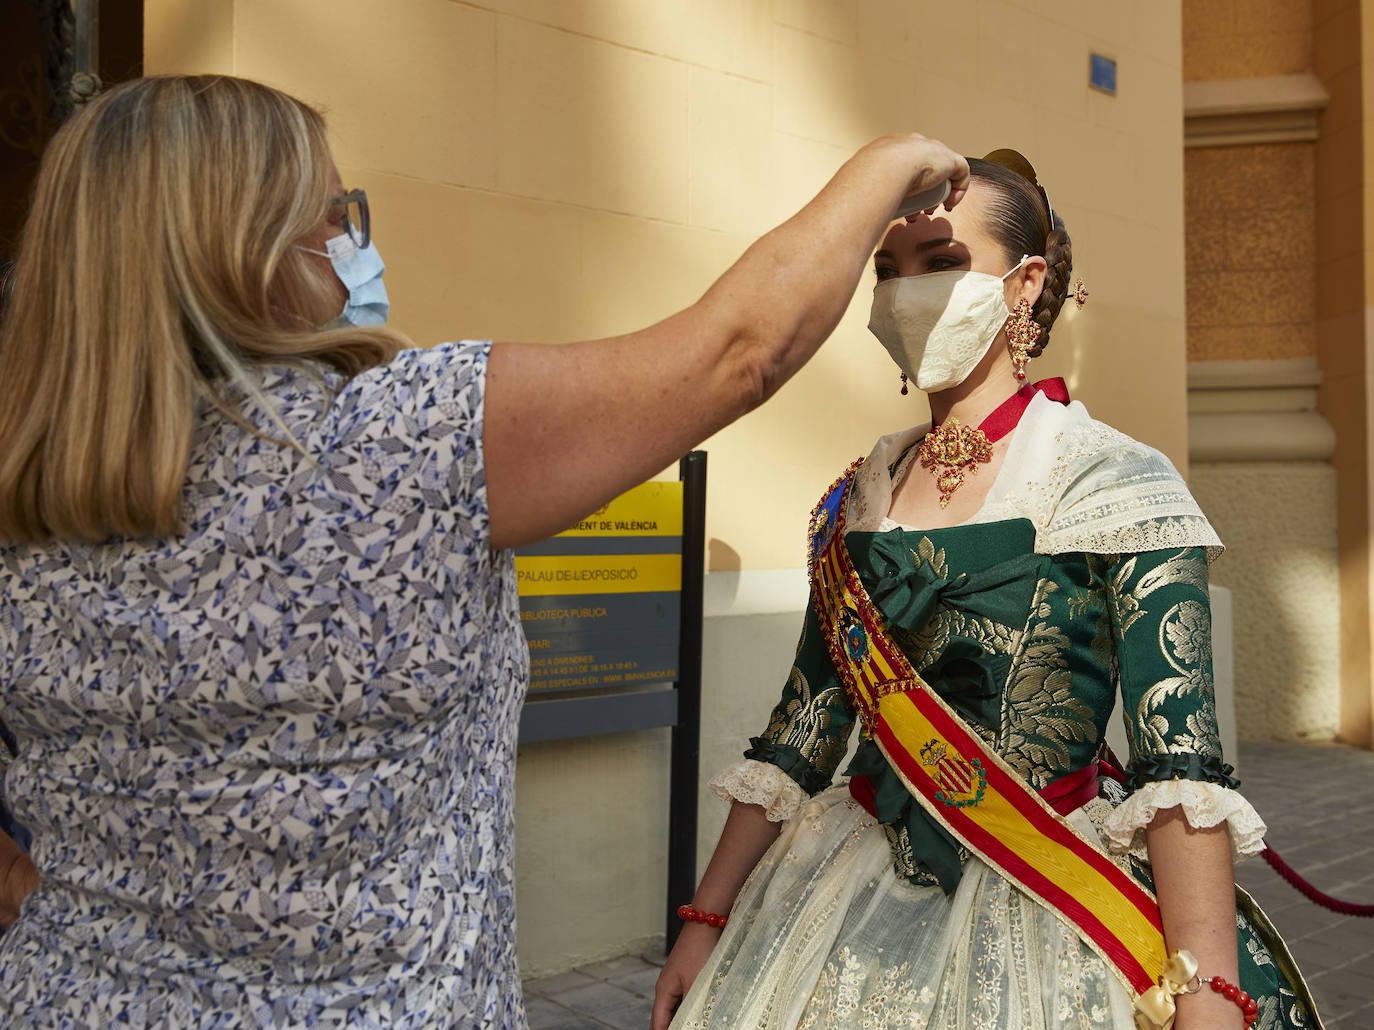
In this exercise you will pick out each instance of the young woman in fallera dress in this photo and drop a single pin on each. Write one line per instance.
(1030, 563)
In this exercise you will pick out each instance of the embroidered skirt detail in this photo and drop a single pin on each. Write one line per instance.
(825, 934)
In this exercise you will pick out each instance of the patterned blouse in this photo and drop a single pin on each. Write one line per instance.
(268, 764)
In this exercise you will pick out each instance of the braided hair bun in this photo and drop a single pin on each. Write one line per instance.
(1019, 217)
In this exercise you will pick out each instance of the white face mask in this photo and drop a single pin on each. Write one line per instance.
(360, 270)
(938, 326)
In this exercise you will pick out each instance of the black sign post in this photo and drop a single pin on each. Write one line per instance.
(686, 761)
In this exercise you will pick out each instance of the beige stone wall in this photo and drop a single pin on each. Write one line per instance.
(561, 169)
(1237, 39)
(1263, 226)
(1251, 244)
(591, 855)
(1276, 519)
(1345, 317)
(1251, 209)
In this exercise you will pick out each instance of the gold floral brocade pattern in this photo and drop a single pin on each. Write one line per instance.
(1041, 715)
(1087, 626)
(1169, 690)
(801, 722)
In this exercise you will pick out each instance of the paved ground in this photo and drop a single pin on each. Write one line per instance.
(1319, 804)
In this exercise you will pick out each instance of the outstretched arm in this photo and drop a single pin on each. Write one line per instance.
(568, 427)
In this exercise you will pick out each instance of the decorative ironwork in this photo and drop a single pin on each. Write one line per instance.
(86, 51)
(71, 43)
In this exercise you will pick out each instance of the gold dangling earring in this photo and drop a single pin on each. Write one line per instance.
(1022, 335)
(904, 390)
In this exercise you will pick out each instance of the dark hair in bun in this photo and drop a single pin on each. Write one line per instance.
(1019, 218)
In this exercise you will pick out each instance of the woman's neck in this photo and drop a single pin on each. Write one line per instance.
(971, 402)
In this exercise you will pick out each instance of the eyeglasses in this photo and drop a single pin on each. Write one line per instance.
(357, 222)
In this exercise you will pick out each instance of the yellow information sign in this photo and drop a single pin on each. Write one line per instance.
(546, 575)
(600, 602)
(650, 509)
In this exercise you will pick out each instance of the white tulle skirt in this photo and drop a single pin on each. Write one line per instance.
(825, 934)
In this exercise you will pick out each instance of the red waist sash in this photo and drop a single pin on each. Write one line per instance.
(1067, 794)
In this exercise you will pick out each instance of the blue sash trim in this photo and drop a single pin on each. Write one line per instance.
(826, 515)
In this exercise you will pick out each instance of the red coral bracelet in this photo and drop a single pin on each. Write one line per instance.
(1247, 1004)
(696, 915)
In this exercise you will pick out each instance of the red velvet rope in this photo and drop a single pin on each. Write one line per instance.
(1304, 888)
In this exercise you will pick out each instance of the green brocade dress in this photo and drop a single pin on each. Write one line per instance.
(855, 921)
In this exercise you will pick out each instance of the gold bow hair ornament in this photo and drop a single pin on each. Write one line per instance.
(1155, 1008)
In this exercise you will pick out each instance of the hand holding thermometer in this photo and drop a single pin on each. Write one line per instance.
(923, 201)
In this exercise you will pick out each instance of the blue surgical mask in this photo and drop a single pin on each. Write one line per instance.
(360, 270)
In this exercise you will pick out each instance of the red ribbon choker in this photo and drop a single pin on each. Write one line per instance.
(952, 451)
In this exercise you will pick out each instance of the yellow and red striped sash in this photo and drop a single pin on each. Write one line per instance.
(964, 785)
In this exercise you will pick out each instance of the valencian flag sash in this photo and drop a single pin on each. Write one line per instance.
(964, 785)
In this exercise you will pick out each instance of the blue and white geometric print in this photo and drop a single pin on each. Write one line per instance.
(268, 764)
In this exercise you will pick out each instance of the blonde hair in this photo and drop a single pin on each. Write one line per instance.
(157, 267)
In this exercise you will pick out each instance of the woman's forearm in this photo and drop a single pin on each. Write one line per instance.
(1195, 885)
(568, 427)
(747, 835)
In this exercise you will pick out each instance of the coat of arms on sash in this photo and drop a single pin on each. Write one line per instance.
(854, 634)
(961, 782)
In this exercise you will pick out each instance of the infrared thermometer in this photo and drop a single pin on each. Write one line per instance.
(923, 201)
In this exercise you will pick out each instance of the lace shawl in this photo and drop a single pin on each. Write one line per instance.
(1083, 485)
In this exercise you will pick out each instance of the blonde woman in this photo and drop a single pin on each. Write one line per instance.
(259, 639)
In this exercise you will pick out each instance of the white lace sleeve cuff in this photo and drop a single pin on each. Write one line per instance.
(1204, 805)
(758, 783)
